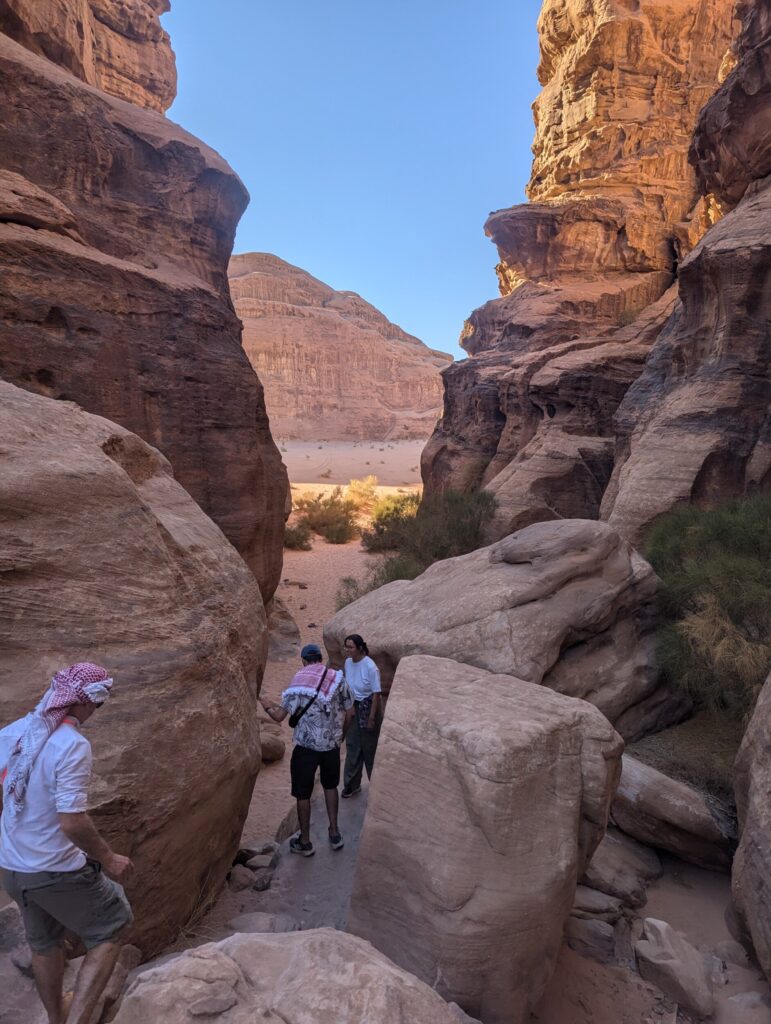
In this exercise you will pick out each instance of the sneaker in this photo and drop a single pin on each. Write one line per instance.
(296, 845)
(336, 841)
(349, 792)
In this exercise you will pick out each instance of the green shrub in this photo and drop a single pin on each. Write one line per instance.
(715, 597)
(298, 537)
(363, 493)
(416, 534)
(331, 515)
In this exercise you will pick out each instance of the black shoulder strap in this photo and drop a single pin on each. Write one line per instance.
(313, 698)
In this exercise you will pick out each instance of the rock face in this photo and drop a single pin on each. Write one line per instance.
(333, 367)
(614, 207)
(670, 815)
(752, 864)
(117, 45)
(695, 426)
(106, 558)
(666, 959)
(318, 975)
(566, 604)
(515, 770)
(115, 229)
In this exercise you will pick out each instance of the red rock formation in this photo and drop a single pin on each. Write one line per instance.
(116, 45)
(116, 228)
(332, 365)
(614, 206)
(106, 558)
(696, 426)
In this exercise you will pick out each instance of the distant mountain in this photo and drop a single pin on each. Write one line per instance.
(333, 367)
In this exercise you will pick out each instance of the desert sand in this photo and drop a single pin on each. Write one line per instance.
(394, 463)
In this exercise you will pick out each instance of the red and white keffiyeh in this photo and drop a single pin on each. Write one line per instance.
(79, 684)
(306, 682)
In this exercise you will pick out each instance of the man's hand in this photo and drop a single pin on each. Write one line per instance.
(118, 867)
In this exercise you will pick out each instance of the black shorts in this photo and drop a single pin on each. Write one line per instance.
(303, 770)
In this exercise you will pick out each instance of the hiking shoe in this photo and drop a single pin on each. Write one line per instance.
(349, 792)
(296, 845)
(336, 841)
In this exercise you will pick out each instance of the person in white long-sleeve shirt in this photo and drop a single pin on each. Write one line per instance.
(363, 678)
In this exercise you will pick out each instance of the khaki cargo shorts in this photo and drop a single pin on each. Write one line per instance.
(85, 902)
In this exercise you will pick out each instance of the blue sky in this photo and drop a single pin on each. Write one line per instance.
(374, 138)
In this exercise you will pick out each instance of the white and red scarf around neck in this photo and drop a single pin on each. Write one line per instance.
(306, 682)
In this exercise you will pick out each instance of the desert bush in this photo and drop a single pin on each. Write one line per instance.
(363, 493)
(298, 537)
(415, 534)
(332, 515)
(715, 641)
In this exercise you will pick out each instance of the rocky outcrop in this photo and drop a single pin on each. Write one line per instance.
(333, 366)
(751, 874)
(670, 815)
(614, 207)
(695, 426)
(668, 960)
(117, 45)
(515, 770)
(565, 604)
(115, 229)
(106, 558)
(318, 975)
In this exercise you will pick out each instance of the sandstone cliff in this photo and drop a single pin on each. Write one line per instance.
(116, 227)
(106, 558)
(117, 45)
(585, 267)
(695, 426)
(332, 365)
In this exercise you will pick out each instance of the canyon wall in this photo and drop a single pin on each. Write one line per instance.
(695, 426)
(117, 45)
(333, 367)
(116, 229)
(587, 266)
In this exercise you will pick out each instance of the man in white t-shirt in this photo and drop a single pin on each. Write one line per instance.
(53, 862)
(363, 678)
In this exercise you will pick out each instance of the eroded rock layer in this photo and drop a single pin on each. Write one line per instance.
(117, 45)
(474, 908)
(695, 426)
(116, 227)
(106, 558)
(614, 207)
(332, 365)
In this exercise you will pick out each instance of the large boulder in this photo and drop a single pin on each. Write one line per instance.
(106, 558)
(668, 960)
(115, 231)
(670, 815)
(751, 879)
(567, 604)
(306, 977)
(489, 798)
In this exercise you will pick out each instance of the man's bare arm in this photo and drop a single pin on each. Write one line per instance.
(275, 711)
(80, 830)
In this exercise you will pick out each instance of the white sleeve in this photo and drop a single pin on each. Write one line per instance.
(374, 676)
(72, 777)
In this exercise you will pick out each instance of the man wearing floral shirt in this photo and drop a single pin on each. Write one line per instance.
(319, 703)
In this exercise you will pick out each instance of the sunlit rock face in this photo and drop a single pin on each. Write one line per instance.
(116, 227)
(332, 365)
(106, 558)
(695, 426)
(585, 267)
(117, 45)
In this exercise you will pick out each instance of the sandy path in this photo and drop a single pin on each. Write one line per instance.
(395, 463)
